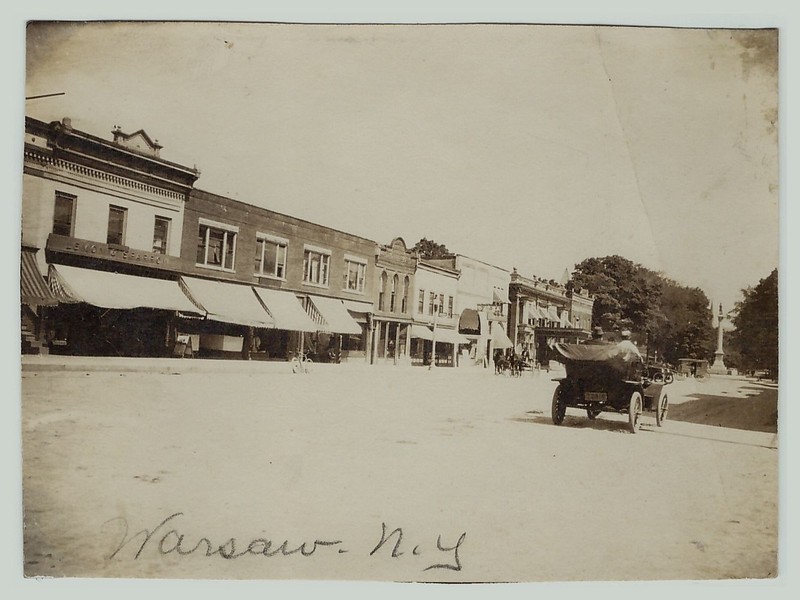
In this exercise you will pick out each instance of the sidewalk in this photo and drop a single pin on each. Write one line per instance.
(166, 366)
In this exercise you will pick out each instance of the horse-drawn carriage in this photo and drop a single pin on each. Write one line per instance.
(607, 377)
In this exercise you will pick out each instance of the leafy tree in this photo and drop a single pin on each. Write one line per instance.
(675, 320)
(626, 294)
(756, 320)
(426, 248)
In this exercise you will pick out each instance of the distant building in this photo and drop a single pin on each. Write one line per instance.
(482, 299)
(434, 334)
(543, 312)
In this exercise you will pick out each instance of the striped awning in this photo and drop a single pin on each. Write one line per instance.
(32, 286)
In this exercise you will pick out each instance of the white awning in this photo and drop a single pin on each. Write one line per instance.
(358, 310)
(286, 309)
(358, 307)
(499, 338)
(537, 312)
(115, 290)
(449, 336)
(499, 297)
(227, 302)
(335, 315)
(552, 314)
(421, 332)
(565, 319)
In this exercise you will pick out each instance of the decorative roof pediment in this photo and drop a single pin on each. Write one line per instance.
(138, 140)
(398, 245)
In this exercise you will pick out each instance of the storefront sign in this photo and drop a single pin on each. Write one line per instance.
(60, 243)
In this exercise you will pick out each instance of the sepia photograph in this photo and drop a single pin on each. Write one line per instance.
(486, 302)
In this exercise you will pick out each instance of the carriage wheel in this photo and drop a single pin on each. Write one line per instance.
(592, 413)
(661, 410)
(558, 409)
(634, 411)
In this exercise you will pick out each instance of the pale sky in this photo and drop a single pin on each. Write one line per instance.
(524, 146)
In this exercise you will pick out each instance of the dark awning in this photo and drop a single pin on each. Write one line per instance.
(32, 286)
(469, 322)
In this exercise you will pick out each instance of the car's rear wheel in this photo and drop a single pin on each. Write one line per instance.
(558, 409)
(635, 412)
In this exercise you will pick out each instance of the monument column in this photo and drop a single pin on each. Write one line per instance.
(719, 368)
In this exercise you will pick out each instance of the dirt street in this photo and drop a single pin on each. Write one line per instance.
(398, 474)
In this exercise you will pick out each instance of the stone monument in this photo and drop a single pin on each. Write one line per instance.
(719, 368)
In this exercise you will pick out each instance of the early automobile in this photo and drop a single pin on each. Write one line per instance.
(607, 377)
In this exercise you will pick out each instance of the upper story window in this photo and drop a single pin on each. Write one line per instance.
(64, 214)
(449, 306)
(355, 273)
(161, 235)
(404, 301)
(382, 290)
(316, 266)
(271, 256)
(216, 245)
(421, 303)
(117, 216)
(431, 302)
(393, 297)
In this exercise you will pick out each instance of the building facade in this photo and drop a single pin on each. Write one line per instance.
(330, 272)
(482, 300)
(91, 209)
(395, 268)
(434, 334)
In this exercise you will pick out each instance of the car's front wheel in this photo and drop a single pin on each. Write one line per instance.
(635, 412)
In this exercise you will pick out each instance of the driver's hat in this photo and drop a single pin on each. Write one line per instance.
(625, 333)
(597, 332)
